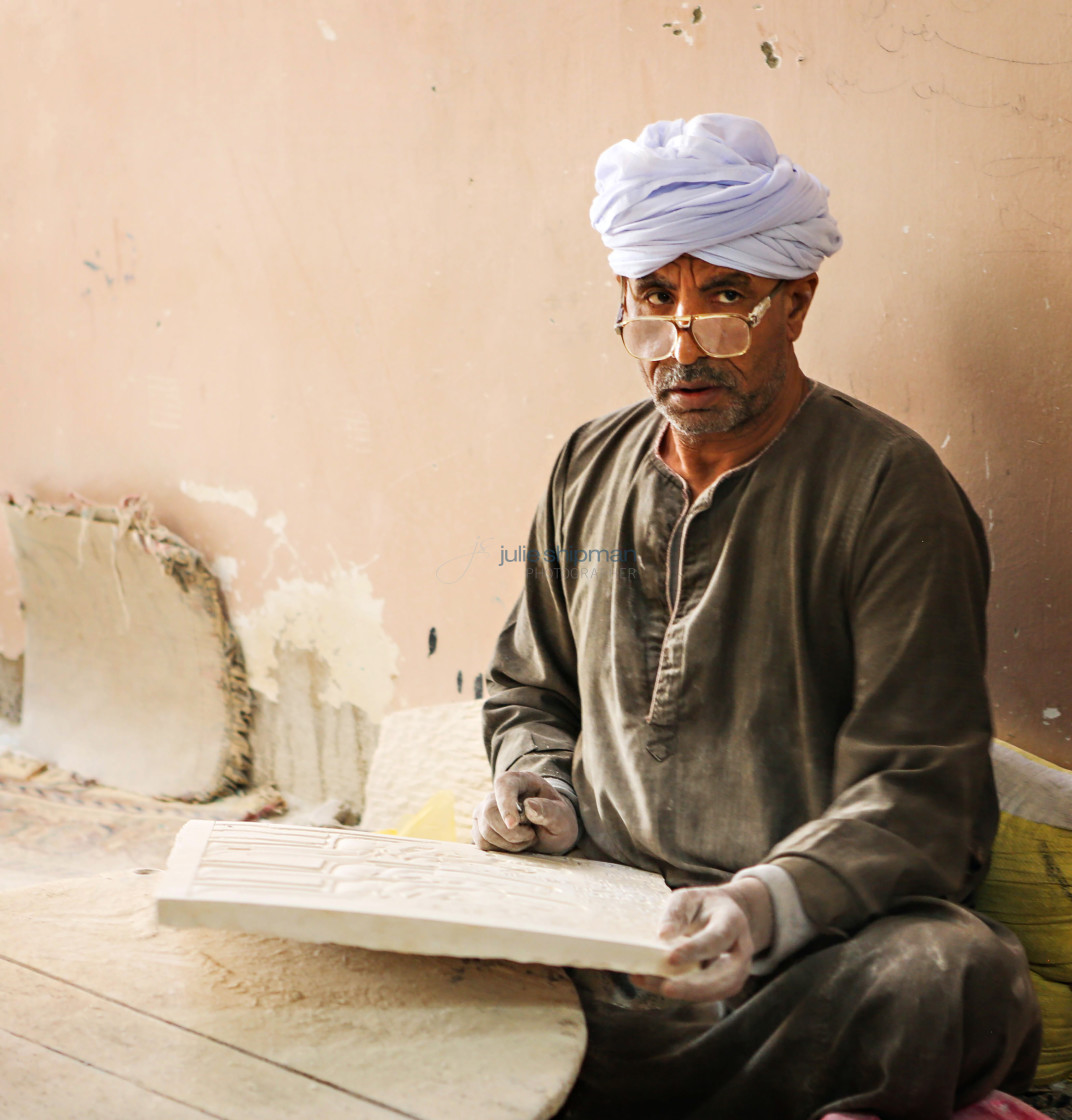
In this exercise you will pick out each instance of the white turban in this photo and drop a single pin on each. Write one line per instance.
(714, 187)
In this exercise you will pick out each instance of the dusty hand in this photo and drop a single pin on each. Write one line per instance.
(525, 813)
(718, 928)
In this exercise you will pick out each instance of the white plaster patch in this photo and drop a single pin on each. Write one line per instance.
(326, 30)
(1051, 713)
(341, 622)
(945, 442)
(240, 499)
(225, 569)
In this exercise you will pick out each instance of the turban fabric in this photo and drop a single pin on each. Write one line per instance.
(715, 187)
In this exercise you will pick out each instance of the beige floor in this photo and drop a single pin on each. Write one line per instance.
(106, 1015)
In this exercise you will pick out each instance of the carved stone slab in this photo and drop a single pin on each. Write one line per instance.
(413, 896)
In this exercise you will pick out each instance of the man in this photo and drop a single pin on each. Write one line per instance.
(785, 712)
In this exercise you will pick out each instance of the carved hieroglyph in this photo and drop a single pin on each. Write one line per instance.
(413, 896)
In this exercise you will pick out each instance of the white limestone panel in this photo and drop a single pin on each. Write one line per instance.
(413, 896)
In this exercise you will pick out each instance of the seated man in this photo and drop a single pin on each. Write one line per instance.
(779, 705)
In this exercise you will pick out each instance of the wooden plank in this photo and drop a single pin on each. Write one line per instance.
(164, 1059)
(41, 1084)
(432, 1037)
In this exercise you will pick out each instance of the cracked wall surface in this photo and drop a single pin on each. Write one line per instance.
(321, 338)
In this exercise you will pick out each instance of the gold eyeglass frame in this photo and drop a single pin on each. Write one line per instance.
(684, 323)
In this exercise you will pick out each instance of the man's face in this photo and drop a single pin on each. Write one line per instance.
(698, 394)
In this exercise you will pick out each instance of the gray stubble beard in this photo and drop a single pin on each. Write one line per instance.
(739, 409)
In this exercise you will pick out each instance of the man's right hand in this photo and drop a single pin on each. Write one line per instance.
(523, 813)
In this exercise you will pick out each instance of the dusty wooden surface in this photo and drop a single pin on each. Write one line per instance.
(102, 1014)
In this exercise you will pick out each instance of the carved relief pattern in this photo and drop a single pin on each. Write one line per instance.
(377, 874)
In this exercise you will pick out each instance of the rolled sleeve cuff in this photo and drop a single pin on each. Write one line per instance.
(793, 929)
(570, 795)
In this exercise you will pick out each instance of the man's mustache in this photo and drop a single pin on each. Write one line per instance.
(708, 375)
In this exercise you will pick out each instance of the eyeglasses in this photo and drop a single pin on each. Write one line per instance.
(722, 335)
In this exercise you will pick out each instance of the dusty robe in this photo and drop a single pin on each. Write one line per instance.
(790, 669)
(810, 693)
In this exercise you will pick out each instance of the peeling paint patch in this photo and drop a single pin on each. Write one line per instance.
(326, 30)
(675, 28)
(240, 499)
(341, 622)
(277, 525)
(945, 442)
(1051, 713)
(225, 569)
(774, 60)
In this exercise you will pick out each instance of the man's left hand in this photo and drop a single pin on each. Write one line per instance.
(718, 929)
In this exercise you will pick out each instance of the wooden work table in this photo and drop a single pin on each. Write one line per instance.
(105, 1015)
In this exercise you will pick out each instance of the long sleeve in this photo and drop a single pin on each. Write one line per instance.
(914, 808)
(532, 716)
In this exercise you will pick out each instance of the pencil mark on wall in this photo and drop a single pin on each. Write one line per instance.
(432, 641)
(893, 38)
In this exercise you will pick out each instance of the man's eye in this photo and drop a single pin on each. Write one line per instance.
(728, 296)
(658, 299)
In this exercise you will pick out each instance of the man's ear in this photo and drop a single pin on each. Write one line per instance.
(798, 295)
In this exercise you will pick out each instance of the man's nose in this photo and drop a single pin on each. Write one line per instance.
(685, 350)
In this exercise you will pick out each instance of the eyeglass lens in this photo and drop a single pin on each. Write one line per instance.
(653, 339)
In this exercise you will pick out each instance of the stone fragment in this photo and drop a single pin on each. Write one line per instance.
(414, 896)
(310, 748)
(420, 752)
(133, 676)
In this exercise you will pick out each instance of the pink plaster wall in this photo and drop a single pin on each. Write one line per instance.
(336, 254)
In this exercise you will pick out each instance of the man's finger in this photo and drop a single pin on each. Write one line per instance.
(720, 979)
(517, 840)
(722, 933)
(552, 815)
(683, 912)
(491, 831)
(507, 794)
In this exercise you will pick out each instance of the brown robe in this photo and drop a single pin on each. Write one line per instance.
(788, 669)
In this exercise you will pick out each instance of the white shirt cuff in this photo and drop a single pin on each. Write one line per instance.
(793, 929)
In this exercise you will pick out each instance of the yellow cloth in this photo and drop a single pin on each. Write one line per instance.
(1029, 890)
(1055, 1002)
(434, 820)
